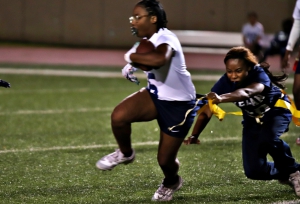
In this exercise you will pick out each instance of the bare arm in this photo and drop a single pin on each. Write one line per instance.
(157, 58)
(201, 122)
(294, 35)
(237, 95)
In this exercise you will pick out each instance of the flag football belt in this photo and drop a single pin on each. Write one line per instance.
(220, 113)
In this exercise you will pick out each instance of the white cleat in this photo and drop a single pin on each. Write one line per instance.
(109, 161)
(166, 194)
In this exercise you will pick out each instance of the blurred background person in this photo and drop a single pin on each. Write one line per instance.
(253, 32)
(279, 42)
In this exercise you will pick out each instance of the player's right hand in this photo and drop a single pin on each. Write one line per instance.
(4, 83)
(127, 72)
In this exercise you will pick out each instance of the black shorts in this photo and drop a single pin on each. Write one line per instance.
(173, 113)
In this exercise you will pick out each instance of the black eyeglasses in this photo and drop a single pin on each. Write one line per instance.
(136, 18)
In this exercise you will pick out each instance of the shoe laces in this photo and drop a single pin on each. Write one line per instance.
(115, 156)
(163, 191)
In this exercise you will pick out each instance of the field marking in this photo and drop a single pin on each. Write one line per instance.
(43, 91)
(53, 111)
(39, 149)
(288, 202)
(99, 74)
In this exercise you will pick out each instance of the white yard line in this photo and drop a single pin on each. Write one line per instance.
(288, 202)
(53, 72)
(99, 74)
(43, 91)
(38, 149)
(53, 111)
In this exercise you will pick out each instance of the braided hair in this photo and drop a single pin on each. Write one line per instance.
(154, 8)
(250, 60)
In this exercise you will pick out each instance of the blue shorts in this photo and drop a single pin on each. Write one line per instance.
(172, 113)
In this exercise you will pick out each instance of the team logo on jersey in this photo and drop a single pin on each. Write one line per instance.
(254, 106)
(254, 101)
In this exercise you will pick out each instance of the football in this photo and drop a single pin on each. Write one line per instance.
(145, 46)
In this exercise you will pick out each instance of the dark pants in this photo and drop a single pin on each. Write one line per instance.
(260, 140)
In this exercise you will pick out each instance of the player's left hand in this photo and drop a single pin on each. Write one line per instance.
(128, 71)
(4, 83)
(191, 140)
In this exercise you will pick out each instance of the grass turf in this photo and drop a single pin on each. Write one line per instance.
(54, 129)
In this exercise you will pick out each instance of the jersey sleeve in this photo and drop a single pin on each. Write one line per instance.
(260, 76)
(222, 86)
(163, 39)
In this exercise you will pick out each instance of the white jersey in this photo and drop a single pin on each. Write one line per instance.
(251, 32)
(295, 32)
(171, 82)
(296, 13)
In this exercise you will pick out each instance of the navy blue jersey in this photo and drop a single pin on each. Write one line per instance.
(258, 104)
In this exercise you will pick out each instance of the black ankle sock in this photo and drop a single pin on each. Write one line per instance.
(128, 154)
(171, 181)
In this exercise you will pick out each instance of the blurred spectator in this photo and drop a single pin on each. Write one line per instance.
(253, 32)
(280, 40)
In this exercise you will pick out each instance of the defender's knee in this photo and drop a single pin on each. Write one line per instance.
(255, 174)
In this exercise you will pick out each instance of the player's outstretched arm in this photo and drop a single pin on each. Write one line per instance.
(202, 120)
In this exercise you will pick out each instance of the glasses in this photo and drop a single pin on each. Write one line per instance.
(136, 18)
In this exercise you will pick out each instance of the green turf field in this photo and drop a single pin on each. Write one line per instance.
(54, 129)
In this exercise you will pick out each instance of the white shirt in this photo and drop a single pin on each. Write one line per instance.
(295, 32)
(171, 82)
(252, 32)
(296, 13)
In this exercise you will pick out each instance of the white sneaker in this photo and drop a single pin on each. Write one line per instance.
(109, 161)
(165, 194)
(295, 181)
